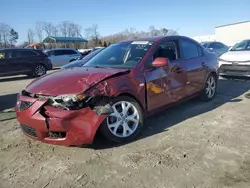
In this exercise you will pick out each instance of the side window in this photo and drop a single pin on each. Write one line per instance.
(216, 45)
(50, 53)
(70, 52)
(16, 54)
(189, 49)
(168, 50)
(27, 53)
(59, 52)
(220, 45)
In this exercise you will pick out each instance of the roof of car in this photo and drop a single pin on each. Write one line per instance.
(156, 38)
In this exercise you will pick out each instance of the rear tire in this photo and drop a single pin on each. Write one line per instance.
(39, 70)
(125, 123)
(210, 88)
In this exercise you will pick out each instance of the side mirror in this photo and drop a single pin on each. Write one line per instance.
(160, 62)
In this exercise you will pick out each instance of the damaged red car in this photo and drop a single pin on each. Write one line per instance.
(116, 90)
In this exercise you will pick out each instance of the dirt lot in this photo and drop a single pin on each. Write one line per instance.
(193, 145)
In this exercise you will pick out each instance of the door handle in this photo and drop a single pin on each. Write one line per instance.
(203, 64)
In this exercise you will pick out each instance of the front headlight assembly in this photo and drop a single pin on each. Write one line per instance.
(222, 60)
(68, 102)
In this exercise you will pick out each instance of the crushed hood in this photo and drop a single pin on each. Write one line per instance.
(71, 81)
(236, 56)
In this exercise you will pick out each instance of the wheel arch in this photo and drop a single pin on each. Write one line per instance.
(133, 97)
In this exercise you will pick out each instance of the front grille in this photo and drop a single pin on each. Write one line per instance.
(29, 130)
(235, 69)
(23, 105)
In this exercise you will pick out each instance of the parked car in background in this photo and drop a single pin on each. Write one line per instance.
(31, 62)
(81, 61)
(236, 62)
(116, 89)
(88, 52)
(216, 47)
(62, 56)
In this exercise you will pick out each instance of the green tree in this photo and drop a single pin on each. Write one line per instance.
(13, 36)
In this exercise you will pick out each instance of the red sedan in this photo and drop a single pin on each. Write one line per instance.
(116, 90)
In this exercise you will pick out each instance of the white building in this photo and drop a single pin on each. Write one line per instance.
(233, 33)
(204, 38)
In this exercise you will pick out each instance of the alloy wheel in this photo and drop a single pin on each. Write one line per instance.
(124, 120)
(40, 70)
(211, 87)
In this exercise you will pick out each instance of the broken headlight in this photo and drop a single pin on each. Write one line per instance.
(68, 102)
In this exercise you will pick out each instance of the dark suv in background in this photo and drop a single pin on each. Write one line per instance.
(23, 61)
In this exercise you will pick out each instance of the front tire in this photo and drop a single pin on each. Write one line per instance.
(124, 124)
(210, 88)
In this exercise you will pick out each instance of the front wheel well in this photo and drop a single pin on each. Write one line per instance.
(133, 97)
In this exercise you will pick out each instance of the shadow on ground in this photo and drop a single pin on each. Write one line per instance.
(14, 78)
(8, 101)
(228, 91)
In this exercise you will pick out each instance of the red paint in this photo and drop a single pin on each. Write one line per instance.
(154, 88)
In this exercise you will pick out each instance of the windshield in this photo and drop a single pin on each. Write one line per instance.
(121, 55)
(242, 46)
(205, 44)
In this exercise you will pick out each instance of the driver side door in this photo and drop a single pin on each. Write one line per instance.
(165, 85)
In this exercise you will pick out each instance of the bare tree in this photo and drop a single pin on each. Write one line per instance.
(93, 33)
(70, 29)
(39, 31)
(5, 34)
(30, 36)
(48, 28)
(63, 27)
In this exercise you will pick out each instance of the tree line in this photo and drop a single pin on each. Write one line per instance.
(41, 30)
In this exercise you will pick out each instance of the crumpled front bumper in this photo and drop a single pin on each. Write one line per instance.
(39, 121)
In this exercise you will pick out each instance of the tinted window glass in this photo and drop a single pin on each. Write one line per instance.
(50, 53)
(27, 53)
(205, 44)
(70, 52)
(22, 53)
(189, 49)
(65, 52)
(216, 45)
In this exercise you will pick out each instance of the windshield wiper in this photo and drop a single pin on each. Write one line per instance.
(98, 66)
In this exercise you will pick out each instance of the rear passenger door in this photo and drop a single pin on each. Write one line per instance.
(21, 61)
(193, 57)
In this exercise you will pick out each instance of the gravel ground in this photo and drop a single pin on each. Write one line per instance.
(193, 145)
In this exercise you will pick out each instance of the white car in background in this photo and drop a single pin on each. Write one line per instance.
(62, 56)
(236, 62)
